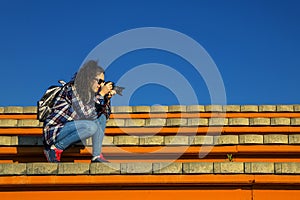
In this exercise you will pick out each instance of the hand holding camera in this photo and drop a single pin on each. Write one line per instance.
(105, 89)
(109, 88)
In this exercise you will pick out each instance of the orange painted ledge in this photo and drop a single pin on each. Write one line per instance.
(135, 194)
(106, 180)
(170, 130)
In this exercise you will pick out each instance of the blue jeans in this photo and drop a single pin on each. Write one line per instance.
(78, 130)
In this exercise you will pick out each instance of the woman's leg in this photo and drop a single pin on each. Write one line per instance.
(75, 131)
(97, 138)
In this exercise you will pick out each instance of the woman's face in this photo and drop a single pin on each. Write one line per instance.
(95, 83)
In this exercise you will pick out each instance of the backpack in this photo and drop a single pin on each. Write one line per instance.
(45, 104)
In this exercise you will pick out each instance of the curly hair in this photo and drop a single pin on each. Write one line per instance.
(84, 78)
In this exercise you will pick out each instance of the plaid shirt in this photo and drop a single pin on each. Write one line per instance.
(68, 107)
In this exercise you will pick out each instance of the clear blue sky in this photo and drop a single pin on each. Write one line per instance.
(254, 43)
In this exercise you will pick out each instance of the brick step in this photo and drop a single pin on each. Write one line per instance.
(154, 121)
(270, 153)
(175, 108)
(157, 140)
(156, 168)
(175, 115)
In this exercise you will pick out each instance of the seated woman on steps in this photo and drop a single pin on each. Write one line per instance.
(80, 111)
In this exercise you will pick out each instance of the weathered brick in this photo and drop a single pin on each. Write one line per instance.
(177, 108)
(296, 108)
(28, 123)
(151, 140)
(260, 121)
(28, 140)
(40, 141)
(201, 140)
(121, 109)
(198, 168)
(251, 139)
(229, 167)
(249, 108)
(135, 122)
(276, 139)
(41, 124)
(195, 108)
(295, 121)
(267, 108)
(12, 169)
(280, 121)
(167, 168)
(30, 110)
(42, 168)
(155, 122)
(238, 121)
(259, 167)
(13, 109)
(294, 139)
(136, 168)
(226, 139)
(7, 140)
(115, 123)
(14, 140)
(141, 109)
(108, 140)
(126, 140)
(1, 110)
(8, 122)
(285, 108)
(74, 168)
(176, 140)
(159, 109)
(232, 108)
(217, 121)
(177, 122)
(105, 168)
(277, 167)
(213, 108)
(287, 168)
(198, 122)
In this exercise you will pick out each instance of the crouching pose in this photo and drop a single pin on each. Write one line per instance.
(80, 111)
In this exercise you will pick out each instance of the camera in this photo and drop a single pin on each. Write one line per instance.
(118, 89)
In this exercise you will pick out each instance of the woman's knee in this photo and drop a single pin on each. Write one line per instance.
(102, 119)
(92, 127)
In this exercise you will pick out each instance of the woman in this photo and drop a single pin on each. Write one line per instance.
(80, 111)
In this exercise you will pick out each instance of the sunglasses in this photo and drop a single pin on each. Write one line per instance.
(99, 81)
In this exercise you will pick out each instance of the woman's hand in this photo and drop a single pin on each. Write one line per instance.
(111, 93)
(105, 89)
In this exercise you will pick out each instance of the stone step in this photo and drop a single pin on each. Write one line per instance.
(9, 121)
(176, 108)
(149, 168)
(249, 153)
(157, 140)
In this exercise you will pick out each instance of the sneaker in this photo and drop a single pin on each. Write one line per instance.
(100, 159)
(54, 155)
